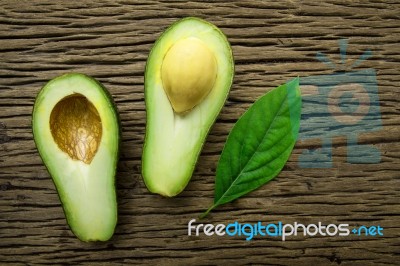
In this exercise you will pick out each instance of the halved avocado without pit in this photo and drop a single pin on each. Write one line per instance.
(76, 131)
(189, 73)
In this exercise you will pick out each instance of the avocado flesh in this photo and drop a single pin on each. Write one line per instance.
(174, 138)
(76, 131)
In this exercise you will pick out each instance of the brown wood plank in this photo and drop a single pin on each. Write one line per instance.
(272, 43)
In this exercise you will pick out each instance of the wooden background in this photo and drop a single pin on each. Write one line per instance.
(272, 42)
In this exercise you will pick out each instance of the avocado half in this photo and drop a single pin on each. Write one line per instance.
(76, 131)
(189, 73)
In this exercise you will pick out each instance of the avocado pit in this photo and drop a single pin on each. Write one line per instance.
(76, 127)
(188, 73)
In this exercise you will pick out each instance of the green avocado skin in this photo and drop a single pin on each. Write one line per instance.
(86, 191)
(173, 142)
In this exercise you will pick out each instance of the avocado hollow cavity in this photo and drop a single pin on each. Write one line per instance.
(188, 73)
(76, 127)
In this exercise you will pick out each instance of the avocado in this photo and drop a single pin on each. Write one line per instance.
(188, 76)
(76, 131)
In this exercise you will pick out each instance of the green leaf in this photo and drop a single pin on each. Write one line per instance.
(259, 144)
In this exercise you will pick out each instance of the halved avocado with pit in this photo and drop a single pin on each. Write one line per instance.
(76, 131)
(189, 73)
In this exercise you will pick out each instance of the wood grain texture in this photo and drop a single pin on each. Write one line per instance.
(272, 42)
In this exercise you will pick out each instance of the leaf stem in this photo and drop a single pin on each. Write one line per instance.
(207, 211)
